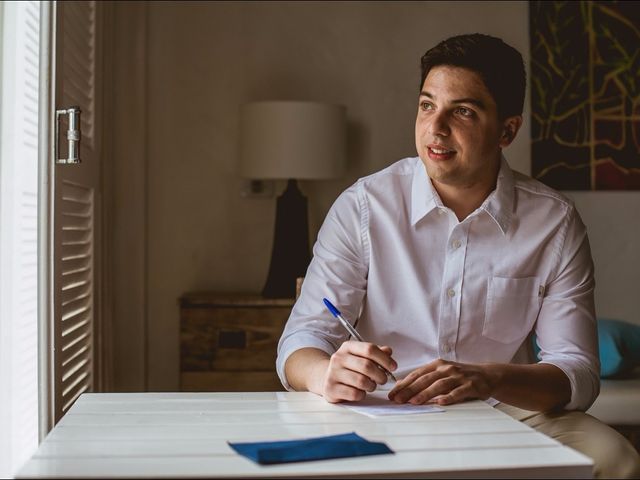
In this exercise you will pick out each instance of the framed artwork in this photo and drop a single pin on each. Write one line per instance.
(585, 94)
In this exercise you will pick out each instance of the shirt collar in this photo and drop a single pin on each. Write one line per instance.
(499, 203)
(424, 197)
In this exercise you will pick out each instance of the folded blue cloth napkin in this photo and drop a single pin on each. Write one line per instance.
(320, 448)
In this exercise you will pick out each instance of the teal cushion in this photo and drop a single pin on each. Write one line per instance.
(619, 344)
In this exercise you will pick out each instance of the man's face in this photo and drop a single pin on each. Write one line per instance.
(458, 134)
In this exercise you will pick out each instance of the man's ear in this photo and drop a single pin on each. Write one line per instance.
(510, 128)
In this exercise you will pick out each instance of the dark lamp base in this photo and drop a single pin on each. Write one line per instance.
(290, 255)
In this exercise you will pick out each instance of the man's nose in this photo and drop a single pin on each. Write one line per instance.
(439, 124)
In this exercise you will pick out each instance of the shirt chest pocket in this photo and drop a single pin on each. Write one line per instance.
(512, 307)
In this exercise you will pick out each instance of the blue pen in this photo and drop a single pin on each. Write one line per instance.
(354, 333)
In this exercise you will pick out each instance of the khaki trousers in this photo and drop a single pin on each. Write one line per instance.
(612, 454)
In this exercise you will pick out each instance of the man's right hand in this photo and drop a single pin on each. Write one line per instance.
(347, 375)
(355, 370)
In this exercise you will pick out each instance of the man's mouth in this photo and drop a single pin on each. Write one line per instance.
(438, 152)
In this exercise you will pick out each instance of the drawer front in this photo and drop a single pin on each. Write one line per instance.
(230, 338)
(230, 382)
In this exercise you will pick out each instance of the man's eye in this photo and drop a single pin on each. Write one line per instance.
(465, 112)
(425, 106)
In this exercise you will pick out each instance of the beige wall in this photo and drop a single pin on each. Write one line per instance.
(202, 61)
(205, 59)
(613, 224)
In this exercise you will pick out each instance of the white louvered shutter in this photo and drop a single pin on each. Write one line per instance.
(18, 234)
(77, 208)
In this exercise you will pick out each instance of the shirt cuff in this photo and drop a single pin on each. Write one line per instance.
(584, 386)
(291, 345)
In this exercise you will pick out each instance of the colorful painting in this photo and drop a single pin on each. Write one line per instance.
(585, 94)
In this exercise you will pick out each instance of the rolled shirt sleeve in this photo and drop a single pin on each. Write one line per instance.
(566, 328)
(338, 271)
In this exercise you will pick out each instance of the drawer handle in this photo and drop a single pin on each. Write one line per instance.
(232, 339)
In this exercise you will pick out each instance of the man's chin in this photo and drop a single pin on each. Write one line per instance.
(444, 176)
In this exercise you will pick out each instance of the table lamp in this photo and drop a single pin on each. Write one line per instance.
(293, 141)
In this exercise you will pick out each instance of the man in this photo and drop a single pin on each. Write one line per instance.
(449, 261)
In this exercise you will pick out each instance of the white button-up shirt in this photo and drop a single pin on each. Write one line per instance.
(391, 256)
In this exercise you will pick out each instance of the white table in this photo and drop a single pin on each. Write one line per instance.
(185, 435)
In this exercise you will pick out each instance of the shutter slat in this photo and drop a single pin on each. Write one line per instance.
(77, 256)
(71, 239)
(76, 228)
(74, 393)
(71, 279)
(82, 325)
(31, 94)
(31, 36)
(72, 383)
(82, 14)
(74, 192)
(72, 244)
(74, 352)
(76, 267)
(71, 252)
(74, 313)
(77, 272)
(32, 9)
(79, 65)
(74, 368)
(84, 216)
(76, 285)
(76, 91)
(78, 336)
(74, 296)
(82, 34)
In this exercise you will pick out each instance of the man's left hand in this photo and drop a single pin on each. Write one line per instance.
(444, 382)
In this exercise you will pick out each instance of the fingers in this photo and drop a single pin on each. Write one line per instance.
(368, 359)
(413, 377)
(355, 369)
(380, 355)
(346, 385)
(460, 394)
(420, 393)
(442, 382)
(339, 392)
(428, 384)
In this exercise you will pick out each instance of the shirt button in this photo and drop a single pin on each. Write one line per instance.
(451, 292)
(446, 348)
(441, 211)
(456, 244)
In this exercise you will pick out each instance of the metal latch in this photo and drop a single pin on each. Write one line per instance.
(73, 135)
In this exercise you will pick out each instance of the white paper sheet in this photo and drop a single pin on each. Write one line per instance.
(492, 401)
(377, 404)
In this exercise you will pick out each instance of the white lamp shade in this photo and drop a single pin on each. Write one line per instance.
(286, 139)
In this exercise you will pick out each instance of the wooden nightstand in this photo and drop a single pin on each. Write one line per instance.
(228, 341)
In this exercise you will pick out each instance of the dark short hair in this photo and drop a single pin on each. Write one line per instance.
(499, 65)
